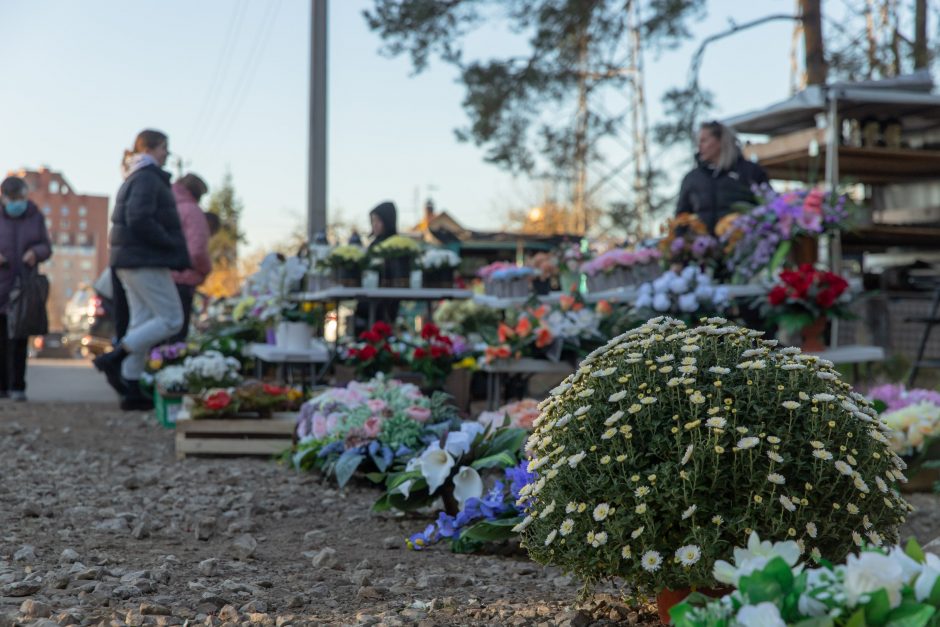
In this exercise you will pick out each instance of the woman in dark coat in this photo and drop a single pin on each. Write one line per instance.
(24, 243)
(722, 177)
(147, 243)
(384, 218)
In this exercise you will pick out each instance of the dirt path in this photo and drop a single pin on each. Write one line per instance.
(99, 524)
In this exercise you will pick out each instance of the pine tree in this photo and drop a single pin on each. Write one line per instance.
(224, 280)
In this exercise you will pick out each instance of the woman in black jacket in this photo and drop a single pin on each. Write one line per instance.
(384, 219)
(721, 178)
(147, 242)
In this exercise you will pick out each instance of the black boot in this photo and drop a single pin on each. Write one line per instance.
(110, 365)
(134, 399)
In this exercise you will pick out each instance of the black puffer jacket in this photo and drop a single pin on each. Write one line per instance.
(145, 225)
(387, 213)
(711, 194)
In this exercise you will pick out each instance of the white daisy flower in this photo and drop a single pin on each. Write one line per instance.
(614, 417)
(688, 455)
(811, 529)
(551, 536)
(826, 376)
(861, 485)
(521, 526)
(689, 511)
(793, 367)
(749, 442)
(875, 537)
(791, 405)
(719, 370)
(651, 560)
(822, 454)
(617, 396)
(609, 433)
(580, 411)
(775, 457)
(585, 393)
(641, 508)
(852, 508)
(600, 539)
(648, 400)
(601, 511)
(548, 510)
(717, 520)
(844, 468)
(637, 532)
(776, 478)
(688, 555)
(635, 408)
(641, 492)
(857, 538)
(569, 508)
(625, 552)
(716, 422)
(787, 503)
(822, 397)
(575, 459)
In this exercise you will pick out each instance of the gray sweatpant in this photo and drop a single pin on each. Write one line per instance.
(155, 314)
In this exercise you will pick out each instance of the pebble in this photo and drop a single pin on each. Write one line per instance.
(245, 546)
(26, 553)
(208, 567)
(35, 609)
(326, 558)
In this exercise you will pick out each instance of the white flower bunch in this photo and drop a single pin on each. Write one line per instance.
(885, 585)
(683, 292)
(171, 379)
(913, 426)
(573, 324)
(670, 445)
(435, 258)
(271, 285)
(211, 369)
(436, 463)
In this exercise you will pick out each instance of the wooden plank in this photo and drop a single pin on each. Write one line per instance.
(228, 446)
(246, 426)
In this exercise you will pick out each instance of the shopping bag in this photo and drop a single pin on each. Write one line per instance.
(26, 312)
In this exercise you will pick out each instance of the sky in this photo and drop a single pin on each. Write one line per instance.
(227, 80)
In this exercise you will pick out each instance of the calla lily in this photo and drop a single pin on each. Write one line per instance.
(436, 465)
(457, 443)
(755, 557)
(870, 572)
(927, 578)
(467, 485)
(404, 488)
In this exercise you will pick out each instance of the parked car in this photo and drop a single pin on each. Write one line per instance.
(88, 322)
(51, 346)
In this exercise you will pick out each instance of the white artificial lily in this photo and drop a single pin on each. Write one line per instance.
(404, 487)
(436, 465)
(457, 443)
(909, 565)
(929, 573)
(755, 557)
(467, 485)
(870, 572)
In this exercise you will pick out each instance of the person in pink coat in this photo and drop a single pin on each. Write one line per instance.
(198, 228)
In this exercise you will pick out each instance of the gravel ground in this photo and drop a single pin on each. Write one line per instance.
(100, 525)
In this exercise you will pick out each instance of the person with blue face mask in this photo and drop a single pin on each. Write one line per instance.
(24, 242)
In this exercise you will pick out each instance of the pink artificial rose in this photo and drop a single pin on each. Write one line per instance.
(372, 426)
(331, 422)
(418, 414)
(319, 428)
(376, 405)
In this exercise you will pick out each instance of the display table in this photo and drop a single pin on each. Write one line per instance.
(526, 367)
(372, 295)
(854, 354)
(285, 359)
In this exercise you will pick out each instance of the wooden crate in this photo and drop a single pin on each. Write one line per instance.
(236, 436)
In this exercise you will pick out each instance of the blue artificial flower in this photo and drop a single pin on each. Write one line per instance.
(420, 541)
(333, 448)
(518, 477)
(445, 525)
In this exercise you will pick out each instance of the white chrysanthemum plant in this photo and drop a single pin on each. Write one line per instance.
(689, 291)
(670, 445)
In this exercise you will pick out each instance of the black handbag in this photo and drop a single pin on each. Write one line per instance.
(26, 312)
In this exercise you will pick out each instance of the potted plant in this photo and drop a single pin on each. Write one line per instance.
(395, 258)
(168, 390)
(433, 357)
(546, 270)
(802, 302)
(373, 353)
(687, 242)
(299, 320)
(671, 444)
(345, 263)
(438, 266)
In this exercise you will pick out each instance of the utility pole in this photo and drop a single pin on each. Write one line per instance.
(316, 174)
(816, 69)
(641, 165)
(580, 140)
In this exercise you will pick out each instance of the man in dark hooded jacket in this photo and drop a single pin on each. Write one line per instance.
(384, 219)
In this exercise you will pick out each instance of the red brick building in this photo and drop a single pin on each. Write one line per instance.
(78, 227)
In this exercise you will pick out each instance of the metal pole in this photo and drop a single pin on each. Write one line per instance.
(833, 139)
(316, 175)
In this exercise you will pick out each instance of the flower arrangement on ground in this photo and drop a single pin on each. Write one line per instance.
(367, 425)
(688, 242)
(806, 295)
(449, 468)
(670, 445)
(373, 353)
(874, 587)
(762, 237)
(688, 294)
(520, 414)
(254, 399)
(487, 518)
(211, 369)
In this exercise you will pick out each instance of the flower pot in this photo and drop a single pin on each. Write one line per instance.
(666, 599)
(438, 278)
(298, 336)
(396, 272)
(347, 277)
(805, 249)
(812, 336)
(281, 335)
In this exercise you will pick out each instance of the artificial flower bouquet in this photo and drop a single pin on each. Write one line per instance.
(520, 414)
(267, 291)
(465, 316)
(914, 419)
(804, 296)
(506, 280)
(482, 519)
(167, 355)
(671, 444)
(761, 238)
(374, 352)
(395, 258)
(688, 294)
(449, 468)
(877, 586)
(367, 426)
(687, 242)
(396, 246)
(308, 313)
(346, 264)
(438, 266)
(526, 338)
(433, 356)
(211, 369)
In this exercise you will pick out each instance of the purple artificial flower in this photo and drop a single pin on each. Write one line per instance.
(419, 541)
(677, 245)
(445, 526)
(701, 245)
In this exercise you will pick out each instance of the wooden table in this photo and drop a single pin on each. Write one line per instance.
(527, 367)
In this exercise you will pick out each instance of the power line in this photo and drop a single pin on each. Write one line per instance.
(209, 103)
(242, 88)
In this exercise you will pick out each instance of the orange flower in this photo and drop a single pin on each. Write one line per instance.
(577, 306)
(540, 311)
(566, 302)
(493, 353)
(543, 337)
(604, 308)
(524, 327)
(505, 332)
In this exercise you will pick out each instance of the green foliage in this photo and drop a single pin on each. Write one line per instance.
(401, 430)
(672, 438)
(223, 247)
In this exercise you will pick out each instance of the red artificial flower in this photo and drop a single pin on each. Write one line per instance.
(420, 353)
(367, 352)
(777, 295)
(274, 390)
(370, 336)
(218, 400)
(430, 331)
(540, 311)
(543, 337)
(604, 308)
(382, 329)
(566, 302)
(504, 331)
(439, 351)
(523, 327)
(826, 298)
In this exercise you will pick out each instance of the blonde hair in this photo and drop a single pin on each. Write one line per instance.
(730, 148)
